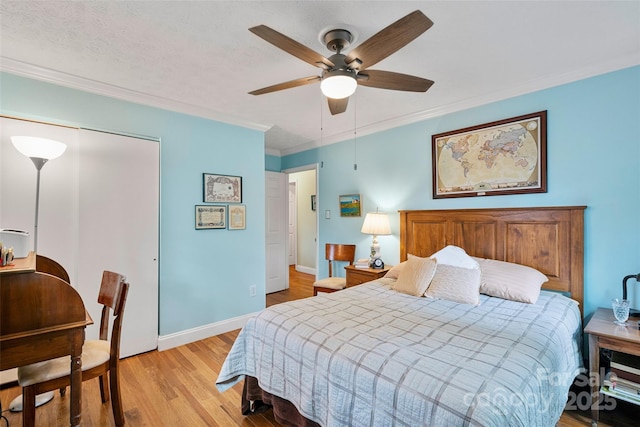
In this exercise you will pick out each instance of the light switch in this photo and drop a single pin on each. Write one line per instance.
(327, 214)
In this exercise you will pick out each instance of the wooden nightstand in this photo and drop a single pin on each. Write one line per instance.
(603, 333)
(357, 276)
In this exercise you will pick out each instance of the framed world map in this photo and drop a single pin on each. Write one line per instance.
(502, 157)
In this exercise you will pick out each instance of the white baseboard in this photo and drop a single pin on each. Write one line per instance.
(303, 269)
(167, 342)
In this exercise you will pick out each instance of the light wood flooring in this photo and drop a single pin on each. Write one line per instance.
(176, 387)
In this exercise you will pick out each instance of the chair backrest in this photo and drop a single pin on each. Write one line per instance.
(49, 266)
(339, 252)
(113, 296)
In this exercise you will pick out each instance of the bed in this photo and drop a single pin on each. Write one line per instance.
(372, 356)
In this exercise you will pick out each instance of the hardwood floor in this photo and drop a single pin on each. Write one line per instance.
(176, 387)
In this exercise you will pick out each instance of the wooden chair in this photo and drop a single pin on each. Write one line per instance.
(49, 266)
(99, 357)
(335, 252)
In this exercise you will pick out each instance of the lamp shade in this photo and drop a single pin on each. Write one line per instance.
(376, 223)
(40, 148)
(338, 84)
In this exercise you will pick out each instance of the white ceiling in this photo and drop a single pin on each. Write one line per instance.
(199, 57)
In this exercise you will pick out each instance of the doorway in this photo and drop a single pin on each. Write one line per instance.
(291, 225)
(303, 220)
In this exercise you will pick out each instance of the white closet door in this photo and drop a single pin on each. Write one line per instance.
(119, 226)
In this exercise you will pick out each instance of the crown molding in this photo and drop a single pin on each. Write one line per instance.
(75, 82)
(488, 98)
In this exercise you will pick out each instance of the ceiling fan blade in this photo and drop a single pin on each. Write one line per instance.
(389, 39)
(337, 106)
(394, 81)
(291, 46)
(286, 85)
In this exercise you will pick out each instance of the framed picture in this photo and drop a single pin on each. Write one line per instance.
(222, 188)
(237, 217)
(313, 202)
(350, 205)
(503, 157)
(211, 216)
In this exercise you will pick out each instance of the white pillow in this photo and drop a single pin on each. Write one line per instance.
(453, 255)
(511, 281)
(415, 276)
(456, 284)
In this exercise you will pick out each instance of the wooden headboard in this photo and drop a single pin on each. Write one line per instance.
(549, 239)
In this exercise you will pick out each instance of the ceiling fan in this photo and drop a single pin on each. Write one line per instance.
(342, 73)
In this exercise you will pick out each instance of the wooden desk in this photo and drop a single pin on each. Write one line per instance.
(21, 265)
(603, 333)
(41, 317)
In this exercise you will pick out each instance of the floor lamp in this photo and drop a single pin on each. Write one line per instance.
(40, 151)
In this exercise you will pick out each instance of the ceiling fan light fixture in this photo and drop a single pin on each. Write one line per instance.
(338, 84)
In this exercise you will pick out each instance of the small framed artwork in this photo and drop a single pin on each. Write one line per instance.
(313, 202)
(237, 217)
(222, 188)
(350, 205)
(503, 157)
(211, 217)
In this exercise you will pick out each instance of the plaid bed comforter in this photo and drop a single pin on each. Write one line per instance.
(370, 356)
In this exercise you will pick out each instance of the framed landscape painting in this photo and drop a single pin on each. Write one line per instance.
(350, 205)
(503, 157)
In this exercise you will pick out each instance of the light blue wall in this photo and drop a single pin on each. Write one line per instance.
(272, 163)
(593, 160)
(593, 150)
(203, 274)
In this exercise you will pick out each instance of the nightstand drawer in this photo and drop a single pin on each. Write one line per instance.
(357, 276)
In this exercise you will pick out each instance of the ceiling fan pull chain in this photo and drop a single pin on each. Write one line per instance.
(355, 133)
(321, 128)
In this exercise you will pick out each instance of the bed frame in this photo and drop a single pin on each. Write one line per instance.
(549, 239)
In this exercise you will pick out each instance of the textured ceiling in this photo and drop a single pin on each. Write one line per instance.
(199, 57)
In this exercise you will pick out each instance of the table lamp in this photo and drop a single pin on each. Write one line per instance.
(376, 224)
(632, 312)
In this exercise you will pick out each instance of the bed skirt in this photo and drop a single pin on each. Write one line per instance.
(256, 401)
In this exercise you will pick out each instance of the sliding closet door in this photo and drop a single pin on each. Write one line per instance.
(118, 223)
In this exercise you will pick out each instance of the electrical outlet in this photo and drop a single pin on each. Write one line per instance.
(252, 290)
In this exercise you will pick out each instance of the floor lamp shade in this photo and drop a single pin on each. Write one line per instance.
(40, 148)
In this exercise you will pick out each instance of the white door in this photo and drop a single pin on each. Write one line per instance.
(293, 215)
(119, 205)
(277, 277)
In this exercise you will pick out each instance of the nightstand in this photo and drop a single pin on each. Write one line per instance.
(603, 333)
(357, 276)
